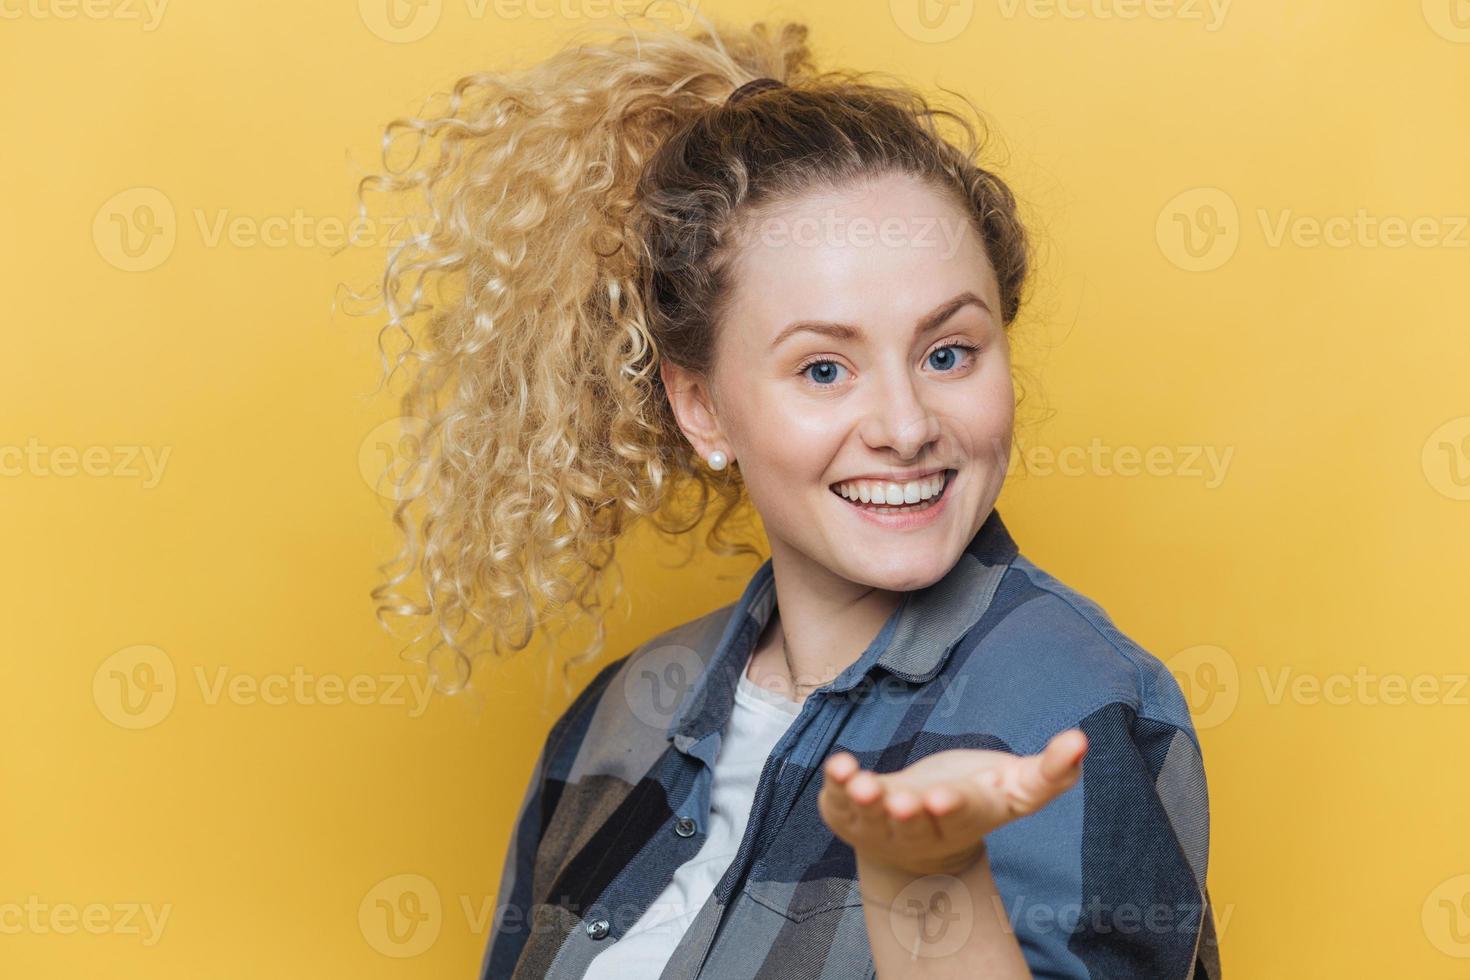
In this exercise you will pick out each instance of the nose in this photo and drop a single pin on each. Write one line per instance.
(896, 418)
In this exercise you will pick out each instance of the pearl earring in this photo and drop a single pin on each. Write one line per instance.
(717, 460)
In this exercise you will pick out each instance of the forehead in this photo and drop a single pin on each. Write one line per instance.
(879, 254)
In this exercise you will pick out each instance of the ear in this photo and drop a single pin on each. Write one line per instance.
(694, 409)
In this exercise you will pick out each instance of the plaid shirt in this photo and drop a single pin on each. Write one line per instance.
(1108, 880)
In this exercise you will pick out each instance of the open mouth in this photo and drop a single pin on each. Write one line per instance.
(874, 495)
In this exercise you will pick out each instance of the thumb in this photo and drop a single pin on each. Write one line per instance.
(1055, 768)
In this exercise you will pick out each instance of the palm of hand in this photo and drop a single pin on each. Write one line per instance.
(932, 816)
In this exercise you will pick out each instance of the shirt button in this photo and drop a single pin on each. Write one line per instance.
(597, 929)
(684, 827)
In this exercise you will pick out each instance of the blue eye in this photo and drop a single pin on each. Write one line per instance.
(827, 372)
(951, 360)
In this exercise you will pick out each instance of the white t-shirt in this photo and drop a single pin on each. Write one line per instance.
(758, 719)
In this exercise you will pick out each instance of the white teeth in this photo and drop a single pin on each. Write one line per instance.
(874, 492)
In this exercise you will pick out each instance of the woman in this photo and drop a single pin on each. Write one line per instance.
(695, 263)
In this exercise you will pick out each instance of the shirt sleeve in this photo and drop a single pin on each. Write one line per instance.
(1144, 907)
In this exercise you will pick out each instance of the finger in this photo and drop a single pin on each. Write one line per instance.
(972, 808)
(840, 766)
(1063, 754)
(942, 800)
(835, 807)
(834, 795)
(1034, 780)
(912, 825)
(867, 793)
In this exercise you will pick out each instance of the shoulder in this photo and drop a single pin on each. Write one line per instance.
(617, 723)
(1044, 657)
(651, 678)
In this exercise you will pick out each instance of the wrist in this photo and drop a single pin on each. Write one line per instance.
(879, 883)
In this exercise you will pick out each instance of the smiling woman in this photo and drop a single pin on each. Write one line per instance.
(872, 762)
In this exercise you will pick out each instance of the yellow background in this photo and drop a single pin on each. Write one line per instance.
(1331, 551)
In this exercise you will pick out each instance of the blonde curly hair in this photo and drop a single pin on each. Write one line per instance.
(581, 216)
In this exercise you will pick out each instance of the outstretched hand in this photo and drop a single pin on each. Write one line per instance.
(932, 817)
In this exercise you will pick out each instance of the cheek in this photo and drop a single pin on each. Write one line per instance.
(985, 416)
(801, 445)
(997, 408)
(786, 444)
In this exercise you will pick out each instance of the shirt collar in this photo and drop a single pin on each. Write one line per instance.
(913, 644)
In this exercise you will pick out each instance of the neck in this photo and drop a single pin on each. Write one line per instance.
(821, 625)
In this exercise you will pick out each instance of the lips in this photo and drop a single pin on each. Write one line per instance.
(892, 478)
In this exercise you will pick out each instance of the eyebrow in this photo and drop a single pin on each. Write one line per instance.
(846, 331)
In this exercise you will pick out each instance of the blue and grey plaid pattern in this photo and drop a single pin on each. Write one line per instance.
(1106, 881)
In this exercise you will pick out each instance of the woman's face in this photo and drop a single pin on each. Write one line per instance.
(843, 357)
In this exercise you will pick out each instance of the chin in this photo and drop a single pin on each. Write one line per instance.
(899, 575)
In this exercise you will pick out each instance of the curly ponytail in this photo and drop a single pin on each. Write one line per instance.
(582, 216)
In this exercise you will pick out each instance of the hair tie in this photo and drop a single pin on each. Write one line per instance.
(752, 87)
